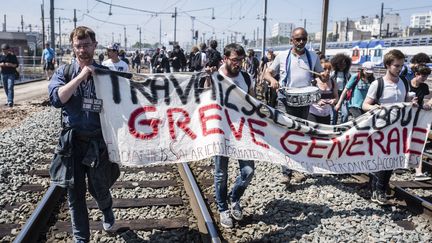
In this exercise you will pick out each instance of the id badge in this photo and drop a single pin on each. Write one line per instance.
(93, 105)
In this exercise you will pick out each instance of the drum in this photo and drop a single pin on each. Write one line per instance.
(301, 96)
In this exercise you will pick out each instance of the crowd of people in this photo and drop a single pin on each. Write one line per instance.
(81, 159)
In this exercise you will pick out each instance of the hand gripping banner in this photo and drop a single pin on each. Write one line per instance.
(171, 118)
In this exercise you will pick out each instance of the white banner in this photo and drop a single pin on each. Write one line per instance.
(170, 118)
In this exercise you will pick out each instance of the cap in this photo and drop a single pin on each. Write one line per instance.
(4, 46)
(368, 67)
(114, 46)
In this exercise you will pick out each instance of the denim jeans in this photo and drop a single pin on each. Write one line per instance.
(8, 86)
(221, 181)
(380, 180)
(77, 193)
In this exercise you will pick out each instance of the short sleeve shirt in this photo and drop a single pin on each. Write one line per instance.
(392, 92)
(359, 92)
(120, 66)
(421, 91)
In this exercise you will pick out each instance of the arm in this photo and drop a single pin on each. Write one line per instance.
(268, 75)
(369, 104)
(65, 92)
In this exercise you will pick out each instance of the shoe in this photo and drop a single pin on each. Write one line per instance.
(225, 219)
(108, 219)
(298, 177)
(10, 104)
(423, 177)
(236, 211)
(379, 198)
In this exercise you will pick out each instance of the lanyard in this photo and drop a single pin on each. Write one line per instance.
(288, 65)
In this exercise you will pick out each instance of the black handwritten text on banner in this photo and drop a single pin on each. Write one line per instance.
(171, 118)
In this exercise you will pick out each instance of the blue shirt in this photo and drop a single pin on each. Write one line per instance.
(73, 115)
(48, 54)
(359, 93)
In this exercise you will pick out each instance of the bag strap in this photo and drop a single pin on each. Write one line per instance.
(380, 90)
(247, 79)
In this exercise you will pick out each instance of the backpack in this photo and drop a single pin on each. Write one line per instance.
(247, 79)
(380, 88)
(350, 91)
(214, 58)
(196, 62)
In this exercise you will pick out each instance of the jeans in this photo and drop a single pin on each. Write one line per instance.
(380, 180)
(77, 193)
(301, 112)
(8, 86)
(221, 181)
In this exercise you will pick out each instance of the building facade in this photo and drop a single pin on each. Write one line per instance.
(282, 29)
(422, 20)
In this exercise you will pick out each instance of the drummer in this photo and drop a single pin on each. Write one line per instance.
(295, 67)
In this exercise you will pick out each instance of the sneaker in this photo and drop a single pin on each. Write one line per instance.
(225, 219)
(108, 219)
(236, 211)
(423, 177)
(379, 198)
(10, 104)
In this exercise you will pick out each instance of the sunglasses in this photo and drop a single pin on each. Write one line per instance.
(300, 39)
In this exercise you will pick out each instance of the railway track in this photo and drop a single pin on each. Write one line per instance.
(47, 223)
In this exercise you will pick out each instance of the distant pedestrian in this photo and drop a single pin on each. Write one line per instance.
(8, 64)
(114, 62)
(48, 60)
(101, 58)
(136, 61)
(341, 64)
(213, 55)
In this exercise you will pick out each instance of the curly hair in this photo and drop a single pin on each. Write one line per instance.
(420, 58)
(339, 59)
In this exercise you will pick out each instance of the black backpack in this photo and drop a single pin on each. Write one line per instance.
(380, 88)
(196, 62)
(214, 58)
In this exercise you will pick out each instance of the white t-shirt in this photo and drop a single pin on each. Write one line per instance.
(238, 80)
(299, 76)
(120, 66)
(392, 92)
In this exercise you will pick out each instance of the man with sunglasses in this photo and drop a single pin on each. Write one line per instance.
(81, 151)
(294, 67)
(234, 54)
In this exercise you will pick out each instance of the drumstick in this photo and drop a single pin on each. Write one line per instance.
(310, 71)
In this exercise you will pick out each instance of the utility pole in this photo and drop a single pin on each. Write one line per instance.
(160, 32)
(4, 25)
(381, 20)
(59, 33)
(139, 38)
(175, 24)
(52, 23)
(324, 26)
(304, 23)
(125, 38)
(22, 23)
(346, 30)
(193, 29)
(43, 25)
(75, 19)
(265, 28)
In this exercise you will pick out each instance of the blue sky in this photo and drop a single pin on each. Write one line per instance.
(231, 16)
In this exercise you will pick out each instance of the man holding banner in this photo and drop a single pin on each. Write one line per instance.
(234, 54)
(296, 68)
(82, 151)
(386, 90)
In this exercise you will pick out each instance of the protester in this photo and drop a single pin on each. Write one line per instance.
(408, 71)
(394, 90)
(122, 56)
(358, 86)
(213, 56)
(320, 111)
(113, 62)
(136, 61)
(269, 94)
(231, 70)
(101, 58)
(8, 64)
(195, 63)
(177, 58)
(294, 67)
(341, 65)
(81, 151)
(251, 64)
(48, 60)
(421, 90)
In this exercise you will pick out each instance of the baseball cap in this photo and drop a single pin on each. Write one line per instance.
(5, 46)
(368, 67)
(113, 46)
